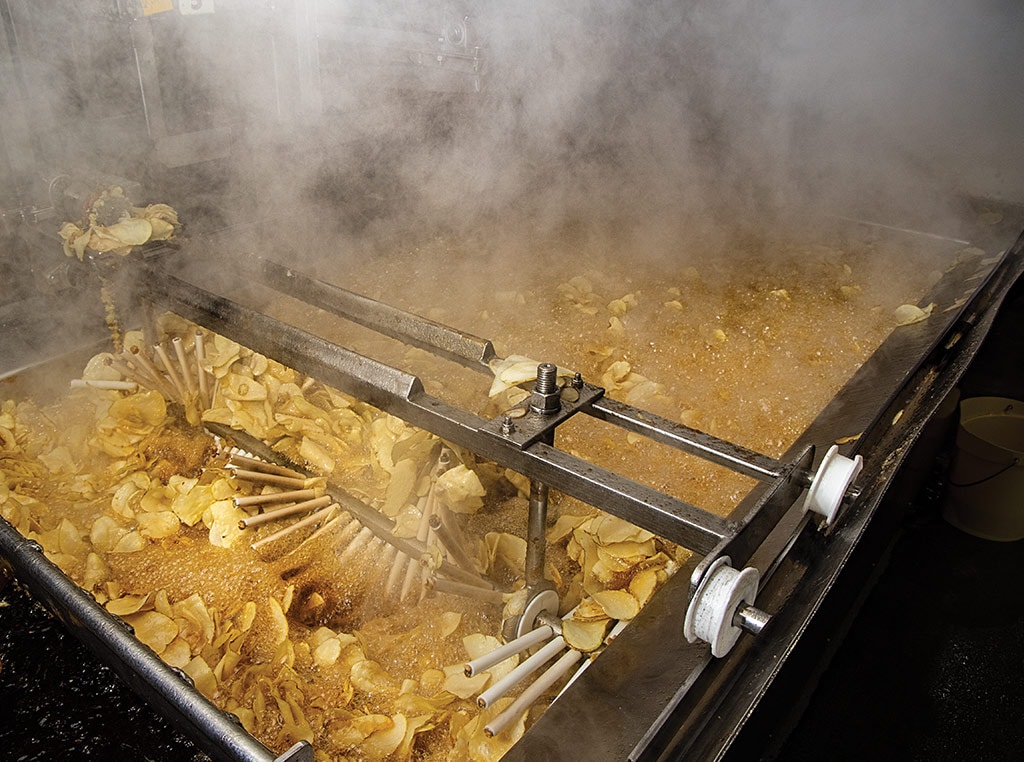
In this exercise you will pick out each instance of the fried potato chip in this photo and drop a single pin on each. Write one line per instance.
(584, 636)
(154, 629)
(456, 682)
(617, 604)
(129, 604)
(370, 677)
(643, 585)
(159, 525)
(383, 742)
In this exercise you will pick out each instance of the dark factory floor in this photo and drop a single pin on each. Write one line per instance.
(933, 667)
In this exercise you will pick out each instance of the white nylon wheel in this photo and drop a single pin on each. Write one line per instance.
(710, 613)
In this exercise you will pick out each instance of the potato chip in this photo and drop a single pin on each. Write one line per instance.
(584, 636)
(643, 585)
(202, 676)
(456, 682)
(154, 629)
(617, 604)
(370, 677)
(129, 543)
(129, 604)
(177, 653)
(449, 623)
(359, 728)
(383, 742)
(194, 610)
(157, 526)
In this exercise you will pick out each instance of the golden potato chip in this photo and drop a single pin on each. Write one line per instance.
(177, 653)
(431, 681)
(327, 652)
(96, 571)
(360, 727)
(609, 529)
(105, 533)
(456, 682)
(564, 526)
(129, 604)
(589, 610)
(460, 489)
(154, 629)
(643, 585)
(202, 676)
(382, 743)
(370, 677)
(194, 610)
(70, 540)
(617, 604)
(416, 724)
(129, 543)
(584, 636)
(449, 623)
(400, 487)
(156, 526)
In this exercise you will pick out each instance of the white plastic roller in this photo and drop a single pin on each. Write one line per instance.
(835, 475)
(712, 611)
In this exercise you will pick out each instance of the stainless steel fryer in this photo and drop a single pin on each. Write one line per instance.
(652, 694)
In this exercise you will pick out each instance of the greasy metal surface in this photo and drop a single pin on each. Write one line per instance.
(711, 448)
(464, 348)
(402, 394)
(527, 426)
(169, 691)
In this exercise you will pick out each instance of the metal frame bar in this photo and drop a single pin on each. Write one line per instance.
(402, 394)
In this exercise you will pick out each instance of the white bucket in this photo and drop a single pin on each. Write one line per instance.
(986, 481)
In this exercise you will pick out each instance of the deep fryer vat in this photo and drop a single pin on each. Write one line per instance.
(661, 682)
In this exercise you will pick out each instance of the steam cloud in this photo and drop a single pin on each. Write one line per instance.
(630, 119)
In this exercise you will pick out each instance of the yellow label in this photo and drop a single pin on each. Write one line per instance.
(150, 7)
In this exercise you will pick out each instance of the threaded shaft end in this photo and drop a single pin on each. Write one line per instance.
(547, 378)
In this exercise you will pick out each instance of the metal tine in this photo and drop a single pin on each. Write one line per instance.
(276, 480)
(441, 585)
(554, 646)
(426, 506)
(321, 515)
(447, 532)
(271, 498)
(358, 543)
(358, 531)
(138, 362)
(186, 374)
(284, 512)
(121, 366)
(343, 520)
(513, 647)
(239, 460)
(530, 665)
(168, 369)
(405, 569)
(199, 347)
(398, 564)
(536, 689)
